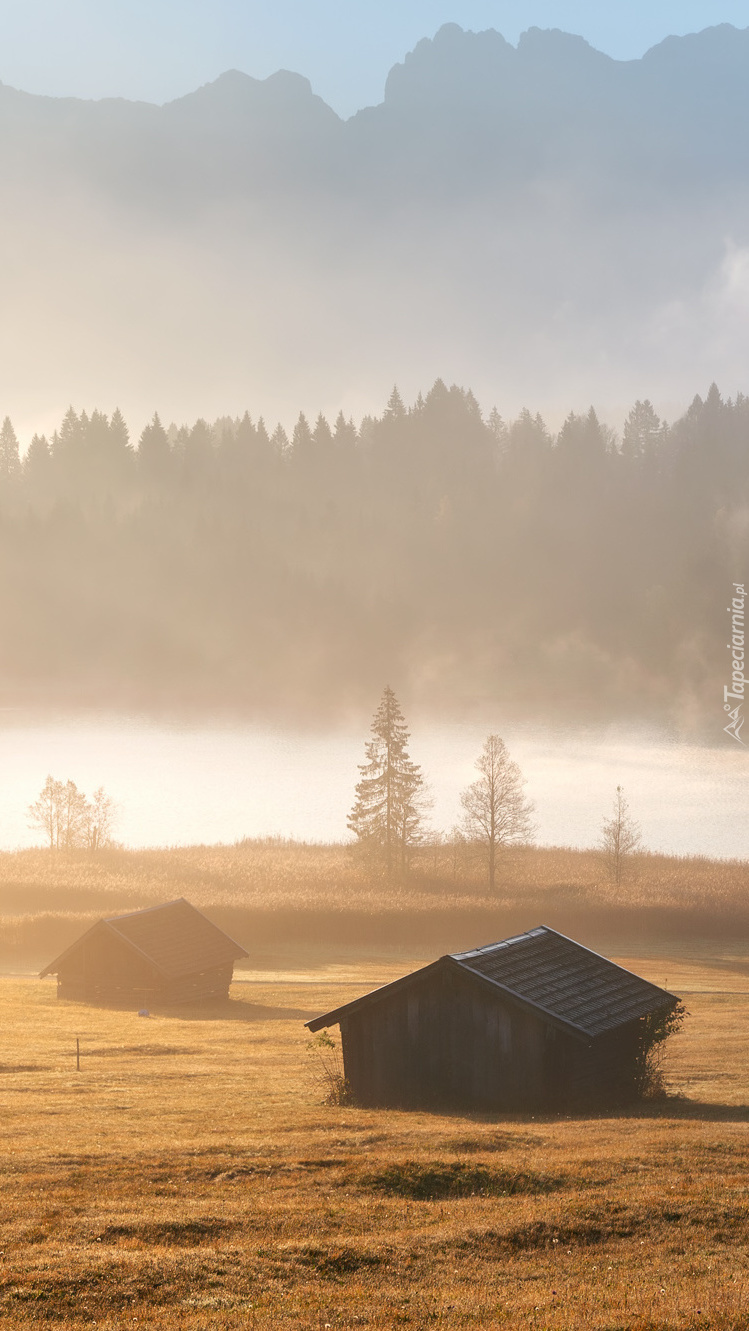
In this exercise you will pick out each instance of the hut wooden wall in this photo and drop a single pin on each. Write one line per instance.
(200, 985)
(603, 1072)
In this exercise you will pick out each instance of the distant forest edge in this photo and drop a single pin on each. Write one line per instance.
(473, 562)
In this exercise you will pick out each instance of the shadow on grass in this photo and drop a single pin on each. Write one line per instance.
(231, 1010)
(666, 1107)
(681, 1107)
(218, 1010)
(669, 1107)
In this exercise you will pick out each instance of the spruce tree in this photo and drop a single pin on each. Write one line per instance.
(198, 451)
(154, 453)
(119, 435)
(643, 433)
(37, 464)
(345, 432)
(279, 442)
(10, 463)
(395, 409)
(301, 440)
(322, 435)
(388, 810)
(263, 439)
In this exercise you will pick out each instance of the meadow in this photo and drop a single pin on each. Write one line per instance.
(275, 895)
(190, 1176)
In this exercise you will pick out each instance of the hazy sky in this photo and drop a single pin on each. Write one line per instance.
(158, 49)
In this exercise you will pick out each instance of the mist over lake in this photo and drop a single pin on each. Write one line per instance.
(179, 783)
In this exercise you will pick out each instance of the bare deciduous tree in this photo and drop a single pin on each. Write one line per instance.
(496, 811)
(620, 838)
(101, 812)
(456, 841)
(44, 814)
(73, 817)
(68, 820)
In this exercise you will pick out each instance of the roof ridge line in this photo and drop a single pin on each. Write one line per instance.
(600, 957)
(503, 942)
(148, 910)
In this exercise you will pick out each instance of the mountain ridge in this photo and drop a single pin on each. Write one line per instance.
(530, 43)
(552, 96)
(525, 218)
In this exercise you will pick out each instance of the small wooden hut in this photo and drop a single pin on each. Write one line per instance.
(166, 954)
(535, 1022)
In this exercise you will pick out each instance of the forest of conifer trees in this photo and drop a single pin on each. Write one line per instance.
(466, 558)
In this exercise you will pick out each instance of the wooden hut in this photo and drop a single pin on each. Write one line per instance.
(167, 954)
(534, 1022)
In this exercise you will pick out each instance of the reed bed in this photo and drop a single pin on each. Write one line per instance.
(274, 873)
(270, 892)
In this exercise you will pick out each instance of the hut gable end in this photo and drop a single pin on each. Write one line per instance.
(168, 953)
(177, 939)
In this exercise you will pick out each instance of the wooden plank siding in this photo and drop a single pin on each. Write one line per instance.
(445, 1043)
(150, 993)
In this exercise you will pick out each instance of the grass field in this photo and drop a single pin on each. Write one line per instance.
(190, 1177)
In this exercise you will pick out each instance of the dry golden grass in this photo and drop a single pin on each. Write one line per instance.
(275, 892)
(275, 874)
(189, 1177)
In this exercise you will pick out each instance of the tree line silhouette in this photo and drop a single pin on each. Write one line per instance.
(472, 558)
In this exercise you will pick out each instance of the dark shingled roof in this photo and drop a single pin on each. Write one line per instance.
(566, 980)
(542, 969)
(175, 939)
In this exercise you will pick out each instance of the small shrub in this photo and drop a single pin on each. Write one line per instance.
(655, 1030)
(329, 1068)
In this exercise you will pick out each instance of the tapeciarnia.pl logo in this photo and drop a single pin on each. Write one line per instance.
(735, 690)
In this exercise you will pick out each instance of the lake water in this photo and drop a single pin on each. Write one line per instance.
(180, 783)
